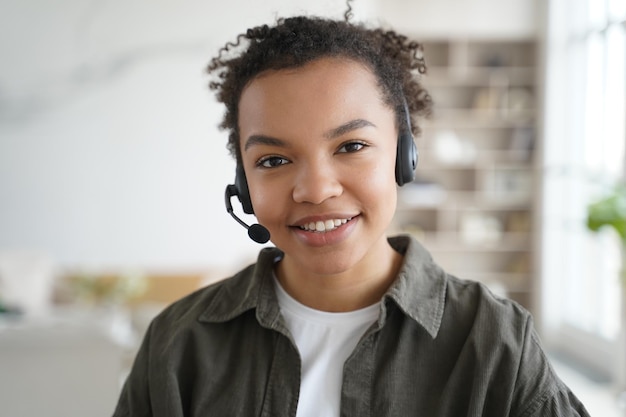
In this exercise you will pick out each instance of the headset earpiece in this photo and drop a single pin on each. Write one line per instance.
(243, 193)
(406, 159)
(406, 153)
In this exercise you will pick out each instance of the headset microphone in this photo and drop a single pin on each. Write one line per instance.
(256, 232)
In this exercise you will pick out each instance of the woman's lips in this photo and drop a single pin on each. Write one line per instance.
(320, 235)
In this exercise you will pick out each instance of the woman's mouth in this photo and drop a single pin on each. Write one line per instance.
(324, 226)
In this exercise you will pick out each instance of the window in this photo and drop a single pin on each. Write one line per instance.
(583, 156)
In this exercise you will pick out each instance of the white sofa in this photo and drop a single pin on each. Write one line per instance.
(69, 364)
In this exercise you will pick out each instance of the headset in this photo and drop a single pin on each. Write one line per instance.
(406, 163)
(406, 151)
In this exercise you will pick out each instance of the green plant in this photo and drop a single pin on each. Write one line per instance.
(610, 211)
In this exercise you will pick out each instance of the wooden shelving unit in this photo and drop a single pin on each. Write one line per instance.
(472, 203)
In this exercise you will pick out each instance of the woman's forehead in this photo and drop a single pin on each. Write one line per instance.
(319, 80)
(322, 65)
(313, 100)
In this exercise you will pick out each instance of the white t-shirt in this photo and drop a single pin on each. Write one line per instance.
(324, 340)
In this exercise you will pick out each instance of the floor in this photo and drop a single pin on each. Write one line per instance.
(601, 399)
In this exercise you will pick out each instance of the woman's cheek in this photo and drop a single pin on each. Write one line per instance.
(266, 199)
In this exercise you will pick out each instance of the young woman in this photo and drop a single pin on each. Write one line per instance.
(337, 319)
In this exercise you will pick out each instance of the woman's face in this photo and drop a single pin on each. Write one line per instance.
(318, 147)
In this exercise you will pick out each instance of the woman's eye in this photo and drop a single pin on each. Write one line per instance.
(272, 162)
(351, 147)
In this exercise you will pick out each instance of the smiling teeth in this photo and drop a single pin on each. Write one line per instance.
(324, 226)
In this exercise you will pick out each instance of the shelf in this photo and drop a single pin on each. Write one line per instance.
(452, 242)
(460, 119)
(479, 76)
(486, 160)
(455, 199)
(483, 118)
(502, 267)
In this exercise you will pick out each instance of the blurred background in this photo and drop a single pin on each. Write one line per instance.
(112, 176)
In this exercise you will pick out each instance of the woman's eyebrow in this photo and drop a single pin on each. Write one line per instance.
(263, 140)
(331, 134)
(348, 127)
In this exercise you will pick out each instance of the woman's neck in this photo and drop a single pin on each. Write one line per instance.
(362, 285)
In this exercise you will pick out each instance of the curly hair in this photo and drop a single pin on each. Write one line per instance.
(396, 61)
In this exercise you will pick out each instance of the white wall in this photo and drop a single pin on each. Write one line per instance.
(110, 156)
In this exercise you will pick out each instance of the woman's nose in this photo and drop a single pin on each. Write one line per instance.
(316, 182)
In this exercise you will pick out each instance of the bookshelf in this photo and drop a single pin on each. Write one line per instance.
(472, 203)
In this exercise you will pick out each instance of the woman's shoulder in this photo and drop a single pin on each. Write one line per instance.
(488, 313)
(488, 297)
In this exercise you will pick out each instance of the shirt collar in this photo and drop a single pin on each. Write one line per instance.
(419, 290)
(251, 288)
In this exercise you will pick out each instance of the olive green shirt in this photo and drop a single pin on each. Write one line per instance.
(442, 347)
